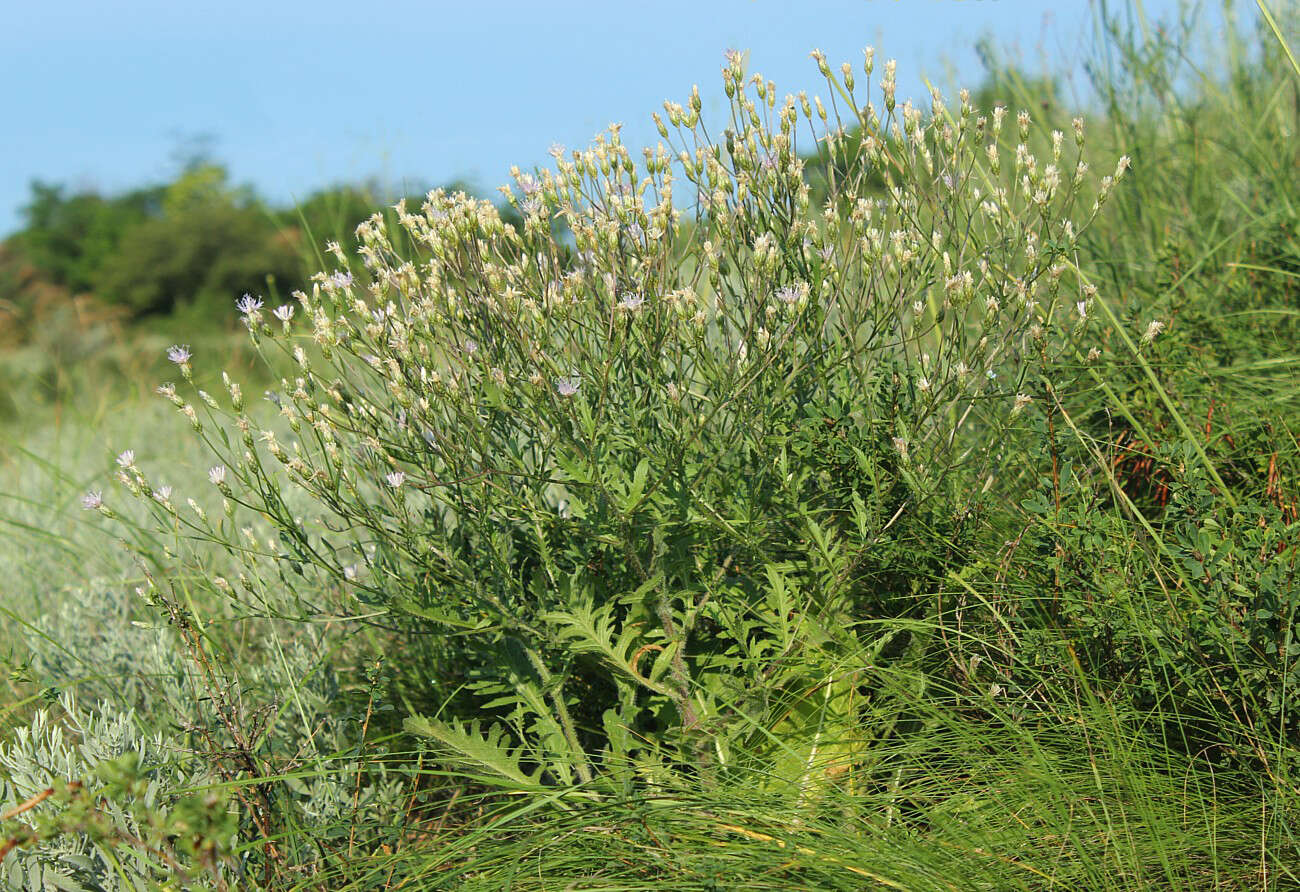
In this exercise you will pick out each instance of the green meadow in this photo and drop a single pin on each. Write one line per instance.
(853, 491)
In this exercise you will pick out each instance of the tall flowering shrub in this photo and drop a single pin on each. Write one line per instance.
(657, 467)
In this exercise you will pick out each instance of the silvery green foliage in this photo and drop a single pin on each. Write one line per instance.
(70, 748)
(100, 641)
(106, 647)
(151, 702)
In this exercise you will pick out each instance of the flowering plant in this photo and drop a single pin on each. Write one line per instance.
(654, 464)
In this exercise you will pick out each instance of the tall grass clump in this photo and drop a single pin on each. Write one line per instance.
(811, 502)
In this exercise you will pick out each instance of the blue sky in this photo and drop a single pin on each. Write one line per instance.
(295, 95)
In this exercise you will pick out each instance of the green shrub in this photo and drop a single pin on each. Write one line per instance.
(658, 491)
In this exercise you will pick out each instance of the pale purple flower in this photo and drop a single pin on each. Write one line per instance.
(217, 474)
(248, 304)
(167, 390)
(341, 279)
(471, 346)
(92, 500)
(568, 386)
(163, 493)
(284, 312)
(556, 150)
(395, 479)
(789, 294)
(179, 353)
(528, 184)
(126, 459)
(632, 301)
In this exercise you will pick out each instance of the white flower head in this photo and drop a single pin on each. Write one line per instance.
(1153, 329)
(1021, 400)
(179, 353)
(217, 475)
(126, 459)
(247, 305)
(93, 500)
(284, 312)
(162, 493)
(395, 479)
(632, 301)
(568, 386)
(1082, 307)
(790, 294)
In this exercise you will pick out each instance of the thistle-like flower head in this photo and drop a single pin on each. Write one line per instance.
(790, 294)
(568, 386)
